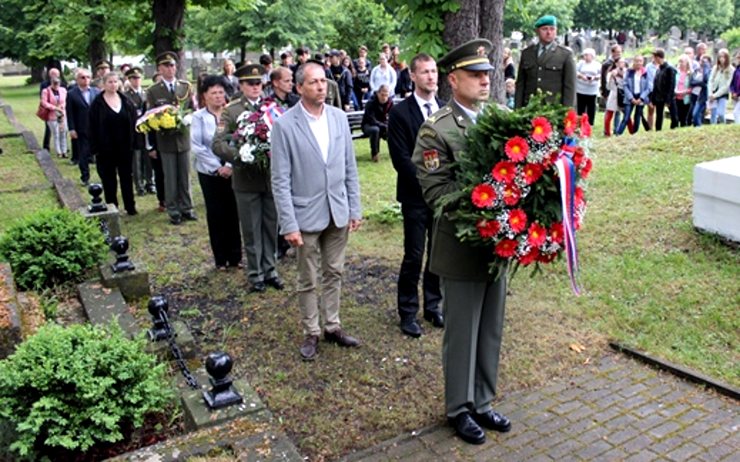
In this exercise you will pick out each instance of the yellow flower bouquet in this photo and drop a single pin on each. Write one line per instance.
(162, 118)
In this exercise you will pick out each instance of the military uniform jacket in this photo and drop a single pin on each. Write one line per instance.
(139, 102)
(554, 72)
(158, 95)
(245, 177)
(440, 142)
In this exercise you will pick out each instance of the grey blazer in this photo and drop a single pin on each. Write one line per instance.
(309, 193)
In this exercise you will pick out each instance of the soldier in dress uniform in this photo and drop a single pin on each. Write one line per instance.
(251, 184)
(173, 147)
(546, 66)
(142, 168)
(473, 301)
(102, 67)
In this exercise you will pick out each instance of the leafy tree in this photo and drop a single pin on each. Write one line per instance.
(279, 23)
(637, 15)
(361, 22)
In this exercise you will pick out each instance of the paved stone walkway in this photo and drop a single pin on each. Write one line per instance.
(620, 410)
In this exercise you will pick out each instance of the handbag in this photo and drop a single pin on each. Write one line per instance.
(42, 112)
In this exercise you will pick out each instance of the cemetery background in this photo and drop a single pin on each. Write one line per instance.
(651, 282)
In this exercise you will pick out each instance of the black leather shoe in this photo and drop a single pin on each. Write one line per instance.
(275, 283)
(310, 347)
(189, 216)
(411, 327)
(175, 220)
(435, 317)
(492, 420)
(258, 287)
(341, 338)
(467, 429)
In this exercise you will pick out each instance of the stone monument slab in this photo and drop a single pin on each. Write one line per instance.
(133, 284)
(717, 197)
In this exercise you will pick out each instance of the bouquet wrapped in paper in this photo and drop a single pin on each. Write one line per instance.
(252, 133)
(163, 118)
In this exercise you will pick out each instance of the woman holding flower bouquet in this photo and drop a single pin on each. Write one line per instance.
(214, 176)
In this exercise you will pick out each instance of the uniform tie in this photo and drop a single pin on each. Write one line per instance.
(429, 108)
(172, 88)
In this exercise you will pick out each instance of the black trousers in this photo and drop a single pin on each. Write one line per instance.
(222, 219)
(84, 158)
(158, 178)
(108, 165)
(375, 132)
(47, 136)
(417, 236)
(683, 111)
(660, 112)
(586, 104)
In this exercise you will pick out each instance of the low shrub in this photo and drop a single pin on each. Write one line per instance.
(51, 247)
(70, 388)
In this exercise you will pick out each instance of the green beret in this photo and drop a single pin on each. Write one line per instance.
(547, 20)
(471, 56)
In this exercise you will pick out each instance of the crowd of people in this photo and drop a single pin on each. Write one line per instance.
(308, 196)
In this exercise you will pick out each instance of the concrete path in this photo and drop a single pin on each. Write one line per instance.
(619, 410)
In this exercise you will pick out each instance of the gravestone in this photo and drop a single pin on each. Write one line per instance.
(597, 43)
(717, 197)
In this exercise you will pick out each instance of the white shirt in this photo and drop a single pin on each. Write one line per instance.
(468, 112)
(421, 102)
(320, 128)
(636, 84)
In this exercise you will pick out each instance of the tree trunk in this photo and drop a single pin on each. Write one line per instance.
(96, 49)
(37, 73)
(492, 28)
(242, 55)
(169, 17)
(460, 27)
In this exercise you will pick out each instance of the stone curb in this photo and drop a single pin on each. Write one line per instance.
(679, 371)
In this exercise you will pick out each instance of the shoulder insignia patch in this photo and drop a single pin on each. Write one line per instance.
(431, 159)
(426, 131)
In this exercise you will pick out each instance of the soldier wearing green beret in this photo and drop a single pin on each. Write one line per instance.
(251, 183)
(473, 302)
(546, 66)
(173, 149)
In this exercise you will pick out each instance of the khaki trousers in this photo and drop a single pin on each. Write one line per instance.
(326, 249)
(474, 323)
(176, 166)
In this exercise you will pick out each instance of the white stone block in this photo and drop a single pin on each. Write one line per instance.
(717, 197)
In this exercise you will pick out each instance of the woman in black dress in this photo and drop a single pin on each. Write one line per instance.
(112, 119)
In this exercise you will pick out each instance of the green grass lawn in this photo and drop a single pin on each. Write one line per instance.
(649, 279)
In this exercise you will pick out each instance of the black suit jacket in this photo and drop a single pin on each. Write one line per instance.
(78, 111)
(404, 121)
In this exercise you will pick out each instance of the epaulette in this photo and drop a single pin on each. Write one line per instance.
(234, 101)
(185, 82)
(443, 112)
(568, 49)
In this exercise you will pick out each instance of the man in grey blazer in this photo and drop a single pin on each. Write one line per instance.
(317, 194)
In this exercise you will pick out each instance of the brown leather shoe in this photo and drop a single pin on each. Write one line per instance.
(310, 347)
(341, 338)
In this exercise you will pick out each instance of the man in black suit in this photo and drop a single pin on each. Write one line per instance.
(79, 99)
(403, 125)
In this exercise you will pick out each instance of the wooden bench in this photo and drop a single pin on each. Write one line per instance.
(355, 124)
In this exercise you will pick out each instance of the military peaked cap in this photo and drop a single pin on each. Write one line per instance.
(168, 57)
(134, 72)
(471, 56)
(250, 72)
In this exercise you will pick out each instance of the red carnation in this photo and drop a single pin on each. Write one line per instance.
(516, 149)
(586, 169)
(487, 228)
(541, 129)
(506, 248)
(556, 233)
(569, 124)
(578, 156)
(532, 173)
(512, 194)
(578, 197)
(529, 258)
(504, 172)
(518, 220)
(546, 257)
(585, 126)
(537, 235)
(483, 195)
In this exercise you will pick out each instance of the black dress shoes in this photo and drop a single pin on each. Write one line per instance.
(258, 287)
(492, 420)
(411, 327)
(189, 216)
(275, 283)
(467, 429)
(175, 220)
(341, 338)
(310, 347)
(435, 317)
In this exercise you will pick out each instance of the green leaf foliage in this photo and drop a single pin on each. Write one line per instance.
(51, 247)
(361, 22)
(73, 387)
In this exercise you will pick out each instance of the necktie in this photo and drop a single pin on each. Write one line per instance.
(541, 50)
(172, 88)
(429, 108)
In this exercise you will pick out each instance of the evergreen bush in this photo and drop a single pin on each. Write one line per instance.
(74, 387)
(51, 247)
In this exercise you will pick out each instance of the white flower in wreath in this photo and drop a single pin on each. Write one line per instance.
(187, 120)
(245, 154)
